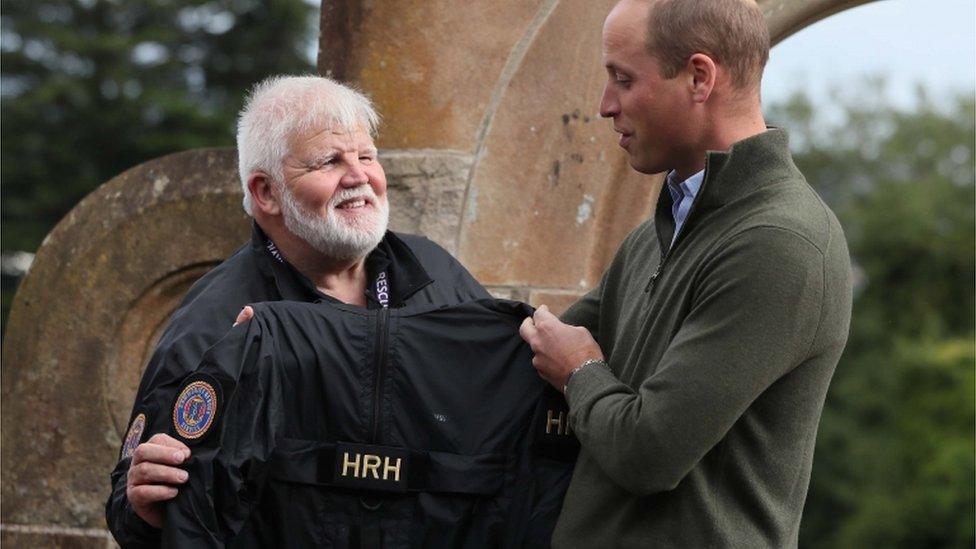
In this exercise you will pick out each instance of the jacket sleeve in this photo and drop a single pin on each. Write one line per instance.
(452, 281)
(227, 466)
(554, 452)
(173, 359)
(755, 314)
(127, 527)
(467, 287)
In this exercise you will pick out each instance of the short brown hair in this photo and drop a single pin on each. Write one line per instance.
(732, 32)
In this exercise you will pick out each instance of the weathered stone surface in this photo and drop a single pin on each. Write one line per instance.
(786, 17)
(557, 301)
(426, 193)
(507, 292)
(49, 540)
(432, 66)
(85, 317)
(552, 194)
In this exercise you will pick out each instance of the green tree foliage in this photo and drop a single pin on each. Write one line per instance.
(90, 88)
(894, 465)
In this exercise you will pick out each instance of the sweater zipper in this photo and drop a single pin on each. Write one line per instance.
(382, 336)
(656, 274)
(666, 255)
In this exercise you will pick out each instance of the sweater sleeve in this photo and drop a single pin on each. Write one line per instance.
(756, 310)
(586, 311)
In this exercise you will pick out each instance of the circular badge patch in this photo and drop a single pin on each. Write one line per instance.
(195, 409)
(133, 436)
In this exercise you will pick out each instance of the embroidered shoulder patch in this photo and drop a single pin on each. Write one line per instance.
(195, 409)
(133, 436)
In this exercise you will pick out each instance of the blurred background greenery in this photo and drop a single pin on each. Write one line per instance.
(894, 464)
(88, 89)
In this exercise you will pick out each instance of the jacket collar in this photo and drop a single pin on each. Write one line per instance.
(405, 273)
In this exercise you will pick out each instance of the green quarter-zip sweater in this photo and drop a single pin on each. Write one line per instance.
(720, 349)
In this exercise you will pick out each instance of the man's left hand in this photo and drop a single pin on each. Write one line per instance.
(246, 314)
(559, 348)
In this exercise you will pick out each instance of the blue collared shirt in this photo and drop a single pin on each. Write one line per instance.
(683, 196)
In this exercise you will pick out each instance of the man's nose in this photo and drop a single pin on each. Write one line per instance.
(609, 107)
(355, 175)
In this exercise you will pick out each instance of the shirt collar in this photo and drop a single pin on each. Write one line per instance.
(405, 275)
(688, 187)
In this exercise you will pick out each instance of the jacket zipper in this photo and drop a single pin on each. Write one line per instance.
(382, 335)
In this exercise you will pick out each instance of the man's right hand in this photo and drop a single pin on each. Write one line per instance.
(154, 475)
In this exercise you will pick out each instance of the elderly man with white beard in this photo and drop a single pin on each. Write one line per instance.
(317, 194)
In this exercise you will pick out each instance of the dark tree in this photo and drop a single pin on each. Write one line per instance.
(90, 88)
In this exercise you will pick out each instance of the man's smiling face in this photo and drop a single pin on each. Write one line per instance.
(334, 193)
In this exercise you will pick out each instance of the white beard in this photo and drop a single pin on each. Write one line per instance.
(337, 238)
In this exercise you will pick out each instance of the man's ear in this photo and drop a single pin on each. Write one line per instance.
(704, 73)
(263, 197)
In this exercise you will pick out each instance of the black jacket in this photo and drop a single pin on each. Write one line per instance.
(416, 272)
(329, 425)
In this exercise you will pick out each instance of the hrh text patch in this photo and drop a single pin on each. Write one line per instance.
(371, 467)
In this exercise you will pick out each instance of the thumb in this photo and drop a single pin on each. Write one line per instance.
(247, 313)
(543, 312)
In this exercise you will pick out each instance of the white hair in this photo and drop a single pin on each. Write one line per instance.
(281, 106)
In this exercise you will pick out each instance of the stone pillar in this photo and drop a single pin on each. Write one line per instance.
(531, 191)
(493, 147)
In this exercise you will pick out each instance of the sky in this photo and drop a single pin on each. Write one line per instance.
(906, 41)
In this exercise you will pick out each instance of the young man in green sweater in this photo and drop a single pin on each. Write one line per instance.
(697, 369)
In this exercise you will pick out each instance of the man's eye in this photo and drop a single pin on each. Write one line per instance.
(366, 159)
(621, 79)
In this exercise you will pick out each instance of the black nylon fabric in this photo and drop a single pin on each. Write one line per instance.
(453, 386)
(419, 273)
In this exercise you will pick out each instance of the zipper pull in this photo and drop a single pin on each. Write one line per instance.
(650, 283)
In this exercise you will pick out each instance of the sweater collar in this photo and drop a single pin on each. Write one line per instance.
(746, 167)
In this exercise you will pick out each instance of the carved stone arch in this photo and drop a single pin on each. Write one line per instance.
(492, 146)
(786, 17)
